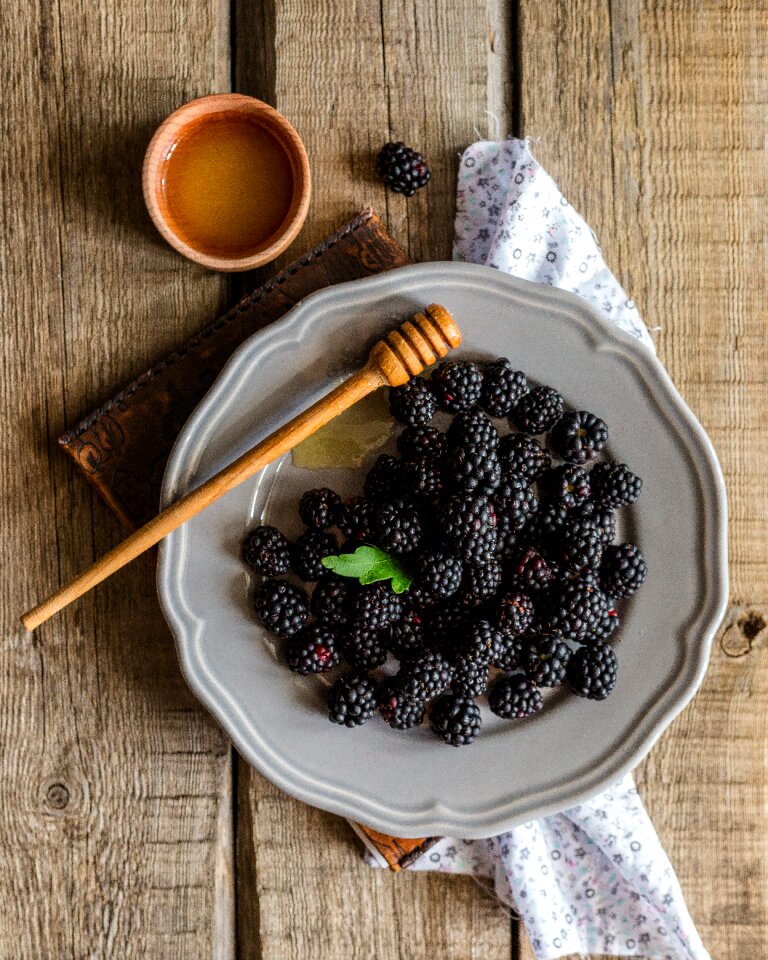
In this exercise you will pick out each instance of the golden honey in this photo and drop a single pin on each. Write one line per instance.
(228, 185)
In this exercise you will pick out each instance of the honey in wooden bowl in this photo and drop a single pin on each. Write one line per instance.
(226, 180)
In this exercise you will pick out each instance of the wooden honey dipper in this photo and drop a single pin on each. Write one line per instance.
(392, 362)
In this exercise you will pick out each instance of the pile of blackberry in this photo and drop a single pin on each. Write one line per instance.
(509, 538)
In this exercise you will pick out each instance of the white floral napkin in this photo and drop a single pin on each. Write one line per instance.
(594, 879)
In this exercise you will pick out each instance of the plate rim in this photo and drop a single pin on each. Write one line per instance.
(438, 818)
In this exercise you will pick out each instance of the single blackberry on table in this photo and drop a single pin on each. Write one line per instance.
(512, 652)
(523, 456)
(377, 606)
(546, 661)
(402, 169)
(384, 481)
(439, 572)
(472, 428)
(623, 570)
(397, 528)
(405, 639)
(531, 572)
(471, 470)
(468, 524)
(308, 552)
(320, 508)
(331, 600)
(514, 698)
(481, 582)
(412, 403)
(421, 441)
(364, 647)
(578, 436)
(580, 546)
(592, 671)
(614, 484)
(282, 607)
(482, 642)
(425, 677)
(352, 700)
(514, 613)
(400, 711)
(470, 678)
(575, 610)
(455, 719)
(567, 484)
(312, 650)
(538, 411)
(356, 521)
(502, 387)
(423, 476)
(267, 551)
(457, 385)
(603, 517)
(519, 503)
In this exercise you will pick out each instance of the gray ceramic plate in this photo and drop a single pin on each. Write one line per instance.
(410, 784)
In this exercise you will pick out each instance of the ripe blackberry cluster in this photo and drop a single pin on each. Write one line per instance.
(494, 511)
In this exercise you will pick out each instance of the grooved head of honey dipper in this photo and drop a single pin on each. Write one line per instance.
(416, 345)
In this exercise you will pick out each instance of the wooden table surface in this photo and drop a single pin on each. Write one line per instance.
(128, 827)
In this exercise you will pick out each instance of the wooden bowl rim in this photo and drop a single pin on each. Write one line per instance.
(169, 132)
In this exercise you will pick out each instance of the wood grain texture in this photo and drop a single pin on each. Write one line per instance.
(651, 116)
(113, 779)
(345, 75)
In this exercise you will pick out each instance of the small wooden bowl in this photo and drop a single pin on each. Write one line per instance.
(193, 114)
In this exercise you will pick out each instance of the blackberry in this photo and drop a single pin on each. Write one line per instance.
(444, 624)
(577, 437)
(457, 385)
(421, 441)
(607, 625)
(266, 550)
(506, 534)
(384, 480)
(575, 610)
(522, 456)
(470, 678)
(518, 503)
(531, 572)
(511, 653)
(399, 710)
(580, 546)
(403, 170)
(425, 676)
(514, 613)
(320, 508)
(483, 643)
(549, 522)
(356, 521)
(331, 600)
(472, 469)
(406, 637)
(308, 552)
(623, 570)
(412, 403)
(472, 428)
(281, 607)
(502, 387)
(363, 647)
(546, 661)
(614, 484)
(352, 700)
(568, 485)
(592, 671)
(377, 606)
(419, 599)
(603, 517)
(312, 650)
(440, 573)
(468, 524)
(538, 410)
(397, 528)
(514, 698)
(455, 719)
(481, 581)
(423, 476)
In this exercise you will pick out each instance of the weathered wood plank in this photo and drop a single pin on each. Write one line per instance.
(351, 75)
(652, 118)
(113, 779)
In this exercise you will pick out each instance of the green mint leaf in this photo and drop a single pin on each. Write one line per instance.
(368, 564)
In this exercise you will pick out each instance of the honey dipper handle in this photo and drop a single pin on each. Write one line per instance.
(255, 459)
